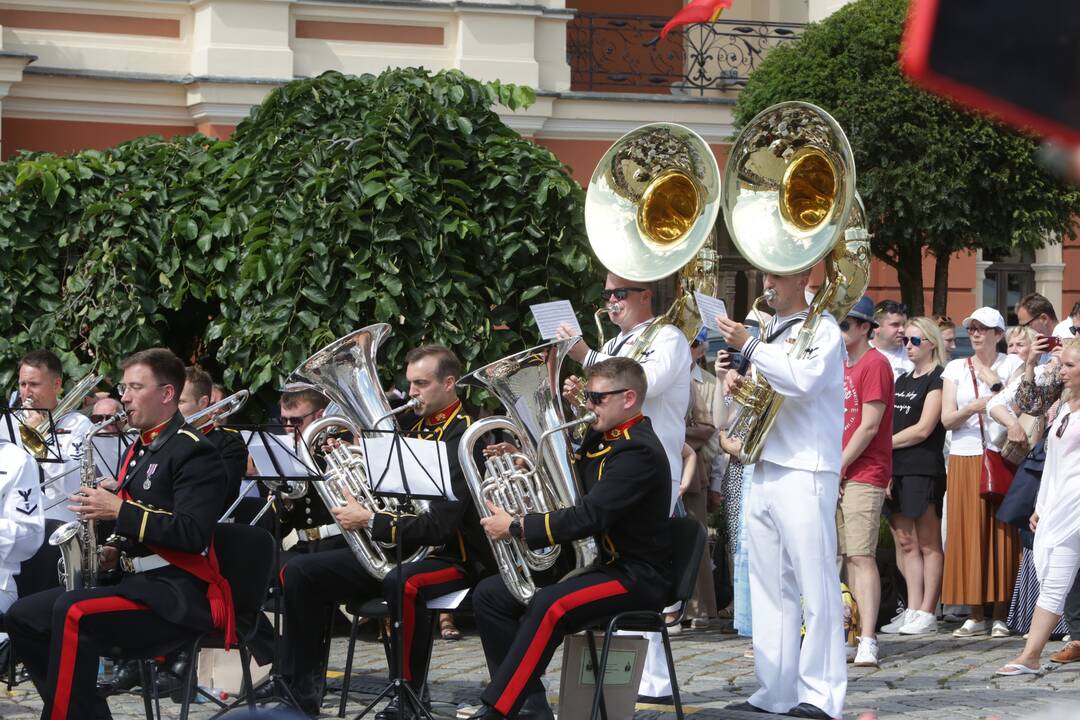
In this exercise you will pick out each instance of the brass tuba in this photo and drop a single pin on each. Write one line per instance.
(527, 384)
(649, 212)
(790, 201)
(345, 371)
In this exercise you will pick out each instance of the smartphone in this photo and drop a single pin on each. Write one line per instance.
(1014, 60)
(1051, 342)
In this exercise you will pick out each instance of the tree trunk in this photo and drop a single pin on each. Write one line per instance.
(909, 272)
(941, 283)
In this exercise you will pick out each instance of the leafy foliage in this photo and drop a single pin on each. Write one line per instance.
(340, 202)
(934, 178)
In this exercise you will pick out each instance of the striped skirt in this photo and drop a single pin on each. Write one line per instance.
(1025, 594)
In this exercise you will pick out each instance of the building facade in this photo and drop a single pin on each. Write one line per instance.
(78, 74)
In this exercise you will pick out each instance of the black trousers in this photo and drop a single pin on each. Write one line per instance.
(519, 640)
(313, 585)
(60, 635)
(423, 580)
(39, 572)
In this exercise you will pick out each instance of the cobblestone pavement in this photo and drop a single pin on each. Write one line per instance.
(920, 677)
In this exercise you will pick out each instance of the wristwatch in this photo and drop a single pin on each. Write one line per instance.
(515, 528)
(996, 387)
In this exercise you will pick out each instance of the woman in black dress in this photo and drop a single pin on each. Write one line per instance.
(914, 499)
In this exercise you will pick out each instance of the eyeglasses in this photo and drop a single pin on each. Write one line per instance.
(619, 293)
(135, 387)
(891, 307)
(973, 328)
(596, 397)
(1028, 323)
(1064, 424)
(296, 420)
(915, 340)
(99, 418)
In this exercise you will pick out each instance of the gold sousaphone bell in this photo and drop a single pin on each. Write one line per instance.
(652, 201)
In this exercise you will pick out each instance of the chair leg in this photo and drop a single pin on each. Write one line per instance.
(346, 681)
(189, 679)
(599, 706)
(248, 687)
(149, 689)
(671, 673)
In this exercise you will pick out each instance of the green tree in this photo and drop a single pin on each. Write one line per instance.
(342, 201)
(935, 179)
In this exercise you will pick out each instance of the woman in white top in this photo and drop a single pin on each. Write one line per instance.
(1056, 521)
(982, 555)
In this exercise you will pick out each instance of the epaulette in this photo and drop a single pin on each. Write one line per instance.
(190, 434)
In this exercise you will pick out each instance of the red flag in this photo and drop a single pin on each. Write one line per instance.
(698, 11)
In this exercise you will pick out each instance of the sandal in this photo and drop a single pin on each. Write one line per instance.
(447, 628)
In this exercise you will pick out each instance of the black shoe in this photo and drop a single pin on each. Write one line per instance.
(124, 679)
(745, 707)
(390, 712)
(656, 699)
(536, 707)
(806, 710)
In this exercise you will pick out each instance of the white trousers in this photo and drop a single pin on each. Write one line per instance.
(791, 526)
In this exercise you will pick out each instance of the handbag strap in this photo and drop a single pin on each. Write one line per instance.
(975, 384)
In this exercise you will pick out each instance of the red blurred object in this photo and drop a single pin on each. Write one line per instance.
(1015, 61)
(698, 11)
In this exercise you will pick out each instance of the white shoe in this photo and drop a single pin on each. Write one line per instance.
(902, 618)
(867, 654)
(970, 628)
(921, 623)
(1000, 630)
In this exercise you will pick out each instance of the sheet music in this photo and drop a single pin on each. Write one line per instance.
(427, 468)
(109, 451)
(550, 315)
(293, 462)
(710, 307)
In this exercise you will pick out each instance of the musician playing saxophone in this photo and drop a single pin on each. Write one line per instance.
(627, 513)
(168, 498)
(314, 583)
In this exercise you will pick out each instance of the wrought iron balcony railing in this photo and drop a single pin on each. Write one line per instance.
(609, 52)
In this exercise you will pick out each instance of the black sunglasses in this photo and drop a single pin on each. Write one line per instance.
(619, 293)
(891, 307)
(596, 397)
(1064, 424)
(287, 420)
(916, 341)
(98, 418)
(845, 324)
(1075, 330)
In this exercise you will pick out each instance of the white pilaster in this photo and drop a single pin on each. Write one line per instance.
(1049, 274)
(980, 276)
(241, 39)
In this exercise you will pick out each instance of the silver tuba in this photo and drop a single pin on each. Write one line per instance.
(527, 384)
(77, 539)
(345, 372)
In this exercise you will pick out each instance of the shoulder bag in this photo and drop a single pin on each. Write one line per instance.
(997, 474)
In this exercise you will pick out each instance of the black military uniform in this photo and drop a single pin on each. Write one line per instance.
(173, 482)
(234, 454)
(316, 583)
(627, 514)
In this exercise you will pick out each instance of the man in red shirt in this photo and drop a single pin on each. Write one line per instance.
(866, 468)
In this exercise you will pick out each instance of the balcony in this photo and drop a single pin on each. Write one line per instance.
(614, 53)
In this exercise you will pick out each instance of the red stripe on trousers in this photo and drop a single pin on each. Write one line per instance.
(412, 588)
(552, 616)
(70, 646)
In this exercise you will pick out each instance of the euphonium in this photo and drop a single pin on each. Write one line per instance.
(78, 564)
(527, 384)
(345, 372)
(34, 438)
(790, 200)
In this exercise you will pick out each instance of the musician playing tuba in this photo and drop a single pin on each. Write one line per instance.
(628, 515)
(315, 583)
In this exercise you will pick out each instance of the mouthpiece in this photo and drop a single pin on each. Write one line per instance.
(769, 295)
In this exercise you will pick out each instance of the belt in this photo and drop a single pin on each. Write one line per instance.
(318, 533)
(142, 564)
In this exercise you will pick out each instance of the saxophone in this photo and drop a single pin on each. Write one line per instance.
(77, 540)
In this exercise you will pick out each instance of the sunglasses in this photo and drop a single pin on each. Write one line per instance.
(1064, 424)
(296, 420)
(99, 418)
(891, 307)
(845, 324)
(619, 293)
(915, 340)
(1075, 330)
(597, 397)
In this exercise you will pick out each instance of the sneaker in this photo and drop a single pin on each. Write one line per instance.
(970, 628)
(867, 654)
(902, 618)
(1000, 630)
(921, 623)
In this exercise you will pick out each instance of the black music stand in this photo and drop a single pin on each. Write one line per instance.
(13, 421)
(282, 475)
(392, 465)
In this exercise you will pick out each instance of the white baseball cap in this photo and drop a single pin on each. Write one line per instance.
(987, 316)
